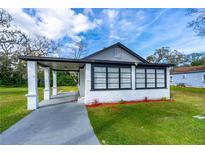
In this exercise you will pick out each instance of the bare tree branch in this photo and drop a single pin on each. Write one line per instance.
(78, 50)
(198, 24)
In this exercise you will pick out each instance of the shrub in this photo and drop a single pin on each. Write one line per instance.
(164, 98)
(181, 85)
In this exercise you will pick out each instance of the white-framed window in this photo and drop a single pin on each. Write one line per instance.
(150, 78)
(140, 78)
(111, 77)
(100, 77)
(160, 75)
(125, 78)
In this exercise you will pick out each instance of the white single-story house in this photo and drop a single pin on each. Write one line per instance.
(112, 74)
(193, 76)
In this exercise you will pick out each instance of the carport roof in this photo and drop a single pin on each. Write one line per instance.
(67, 64)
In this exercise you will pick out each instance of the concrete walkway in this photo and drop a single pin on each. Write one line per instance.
(65, 123)
(63, 97)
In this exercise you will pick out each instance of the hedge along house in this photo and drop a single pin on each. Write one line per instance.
(113, 74)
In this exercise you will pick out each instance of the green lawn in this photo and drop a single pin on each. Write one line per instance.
(153, 123)
(13, 104)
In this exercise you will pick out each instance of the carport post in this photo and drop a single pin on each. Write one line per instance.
(47, 93)
(32, 96)
(54, 82)
(133, 77)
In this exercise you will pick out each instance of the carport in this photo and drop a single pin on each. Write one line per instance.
(54, 65)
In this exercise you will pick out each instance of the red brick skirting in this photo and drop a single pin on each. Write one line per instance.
(128, 102)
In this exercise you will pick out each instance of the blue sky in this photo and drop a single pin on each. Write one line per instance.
(142, 30)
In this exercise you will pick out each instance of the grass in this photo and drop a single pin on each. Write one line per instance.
(153, 123)
(13, 104)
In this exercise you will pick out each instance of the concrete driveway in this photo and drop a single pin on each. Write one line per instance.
(66, 123)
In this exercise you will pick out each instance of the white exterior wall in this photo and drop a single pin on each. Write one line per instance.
(191, 79)
(118, 95)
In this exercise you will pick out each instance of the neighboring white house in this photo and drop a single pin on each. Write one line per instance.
(113, 74)
(193, 76)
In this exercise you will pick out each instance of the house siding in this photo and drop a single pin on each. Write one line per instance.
(191, 79)
(116, 54)
(118, 95)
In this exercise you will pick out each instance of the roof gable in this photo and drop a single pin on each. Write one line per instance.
(117, 52)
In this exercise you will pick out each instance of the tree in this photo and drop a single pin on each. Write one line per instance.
(160, 55)
(165, 55)
(14, 43)
(78, 50)
(198, 62)
(198, 24)
(176, 57)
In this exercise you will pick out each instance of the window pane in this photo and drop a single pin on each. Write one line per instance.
(140, 81)
(160, 78)
(140, 78)
(99, 77)
(139, 70)
(125, 77)
(100, 80)
(160, 71)
(160, 75)
(113, 85)
(150, 78)
(99, 86)
(99, 69)
(113, 69)
(140, 85)
(150, 85)
(125, 80)
(160, 85)
(113, 77)
(111, 80)
(125, 85)
(151, 71)
(124, 70)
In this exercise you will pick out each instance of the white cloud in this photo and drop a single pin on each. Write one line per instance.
(124, 24)
(188, 44)
(171, 32)
(112, 16)
(53, 23)
(88, 11)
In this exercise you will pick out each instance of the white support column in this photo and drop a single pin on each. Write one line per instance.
(133, 77)
(54, 82)
(87, 82)
(47, 93)
(32, 96)
(78, 76)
